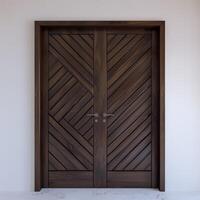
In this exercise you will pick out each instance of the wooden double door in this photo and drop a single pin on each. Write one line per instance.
(100, 107)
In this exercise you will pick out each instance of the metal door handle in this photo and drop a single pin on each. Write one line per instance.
(93, 115)
(108, 115)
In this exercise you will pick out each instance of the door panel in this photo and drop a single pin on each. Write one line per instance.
(70, 99)
(129, 128)
(101, 101)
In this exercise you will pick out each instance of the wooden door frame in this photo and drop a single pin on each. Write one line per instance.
(40, 26)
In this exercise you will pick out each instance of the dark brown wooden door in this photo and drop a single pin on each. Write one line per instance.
(70, 103)
(100, 108)
(132, 102)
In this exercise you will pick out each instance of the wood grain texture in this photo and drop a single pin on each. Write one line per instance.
(132, 24)
(100, 82)
(70, 179)
(38, 149)
(70, 99)
(72, 93)
(131, 66)
(162, 106)
(155, 108)
(133, 100)
(129, 179)
(44, 108)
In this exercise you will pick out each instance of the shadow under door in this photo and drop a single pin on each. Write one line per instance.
(100, 91)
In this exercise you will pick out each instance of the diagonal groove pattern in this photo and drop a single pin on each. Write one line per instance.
(60, 45)
(67, 157)
(127, 118)
(75, 57)
(71, 68)
(143, 162)
(82, 55)
(124, 153)
(129, 130)
(81, 156)
(128, 102)
(70, 98)
(55, 163)
(141, 153)
(120, 47)
(125, 55)
(129, 99)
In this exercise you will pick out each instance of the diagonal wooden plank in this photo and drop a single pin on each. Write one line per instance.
(61, 82)
(120, 47)
(131, 60)
(55, 164)
(115, 41)
(110, 37)
(144, 163)
(77, 136)
(54, 69)
(89, 133)
(124, 55)
(121, 156)
(126, 96)
(52, 60)
(62, 92)
(122, 150)
(56, 77)
(144, 117)
(86, 126)
(88, 40)
(72, 140)
(84, 121)
(120, 78)
(78, 153)
(63, 99)
(91, 140)
(117, 139)
(75, 57)
(59, 155)
(128, 87)
(77, 107)
(128, 162)
(130, 115)
(128, 101)
(70, 68)
(84, 56)
(82, 112)
(126, 111)
(66, 157)
(131, 56)
(82, 44)
(67, 102)
(59, 46)
(140, 156)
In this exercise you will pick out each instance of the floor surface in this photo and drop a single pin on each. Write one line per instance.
(100, 194)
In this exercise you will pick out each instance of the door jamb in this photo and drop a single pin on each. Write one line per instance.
(40, 26)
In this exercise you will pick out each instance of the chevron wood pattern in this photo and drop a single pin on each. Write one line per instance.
(115, 70)
(129, 140)
(70, 98)
(101, 71)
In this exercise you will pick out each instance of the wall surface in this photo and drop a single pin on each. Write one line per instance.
(17, 80)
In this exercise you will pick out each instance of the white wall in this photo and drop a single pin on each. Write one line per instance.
(17, 80)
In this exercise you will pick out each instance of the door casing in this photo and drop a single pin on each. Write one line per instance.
(40, 27)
